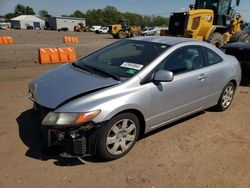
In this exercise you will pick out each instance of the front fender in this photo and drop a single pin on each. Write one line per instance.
(113, 101)
(105, 116)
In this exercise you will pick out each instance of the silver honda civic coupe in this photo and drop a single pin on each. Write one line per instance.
(100, 104)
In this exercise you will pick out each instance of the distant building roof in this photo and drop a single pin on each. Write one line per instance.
(70, 18)
(27, 18)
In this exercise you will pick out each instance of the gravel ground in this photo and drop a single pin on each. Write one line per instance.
(209, 149)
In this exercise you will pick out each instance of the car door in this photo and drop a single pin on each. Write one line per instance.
(186, 93)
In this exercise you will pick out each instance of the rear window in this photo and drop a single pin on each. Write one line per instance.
(212, 57)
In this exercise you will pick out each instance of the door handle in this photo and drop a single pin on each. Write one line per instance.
(202, 76)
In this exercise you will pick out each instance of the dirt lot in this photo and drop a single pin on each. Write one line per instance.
(209, 149)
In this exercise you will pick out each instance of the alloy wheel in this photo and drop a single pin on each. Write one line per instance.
(227, 96)
(121, 136)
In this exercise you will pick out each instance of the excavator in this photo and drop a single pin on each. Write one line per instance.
(81, 28)
(123, 30)
(214, 21)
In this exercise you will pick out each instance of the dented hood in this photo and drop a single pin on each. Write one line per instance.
(55, 87)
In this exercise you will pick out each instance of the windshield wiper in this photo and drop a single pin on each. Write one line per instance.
(93, 69)
(107, 73)
(86, 68)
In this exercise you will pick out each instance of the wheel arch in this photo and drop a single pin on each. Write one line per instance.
(216, 29)
(234, 83)
(140, 116)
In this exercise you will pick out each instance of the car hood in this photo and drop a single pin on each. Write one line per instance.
(55, 87)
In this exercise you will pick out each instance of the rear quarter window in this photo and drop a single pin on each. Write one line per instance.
(212, 57)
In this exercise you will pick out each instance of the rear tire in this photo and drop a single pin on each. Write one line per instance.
(226, 97)
(216, 39)
(121, 35)
(118, 136)
(135, 34)
(238, 36)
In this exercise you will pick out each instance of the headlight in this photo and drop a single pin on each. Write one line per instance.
(69, 119)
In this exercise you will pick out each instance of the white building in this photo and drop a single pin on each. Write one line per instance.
(56, 23)
(23, 21)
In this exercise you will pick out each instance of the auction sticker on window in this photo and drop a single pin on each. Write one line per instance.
(132, 65)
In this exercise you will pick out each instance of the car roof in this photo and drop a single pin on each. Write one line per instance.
(163, 39)
(172, 41)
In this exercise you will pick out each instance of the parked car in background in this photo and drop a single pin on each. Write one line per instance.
(63, 29)
(101, 103)
(103, 30)
(148, 31)
(95, 28)
(5, 25)
(241, 50)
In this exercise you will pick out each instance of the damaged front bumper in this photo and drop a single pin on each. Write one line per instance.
(73, 141)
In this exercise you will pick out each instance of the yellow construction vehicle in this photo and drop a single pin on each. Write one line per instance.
(213, 21)
(81, 28)
(123, 30)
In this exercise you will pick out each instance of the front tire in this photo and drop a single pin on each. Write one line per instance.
(121, 35)
(135, 34)
(118, 136)
(226, 97)
(216, 39)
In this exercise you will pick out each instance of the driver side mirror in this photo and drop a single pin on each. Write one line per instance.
(163, 76)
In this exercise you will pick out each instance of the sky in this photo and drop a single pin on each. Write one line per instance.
(144, 7)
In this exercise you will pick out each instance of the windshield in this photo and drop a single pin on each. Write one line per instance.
(123, 59)
(221, 7)
(206, 4)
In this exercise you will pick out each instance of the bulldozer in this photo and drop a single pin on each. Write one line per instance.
(123, 30)
(81, 28)
(213, 21)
